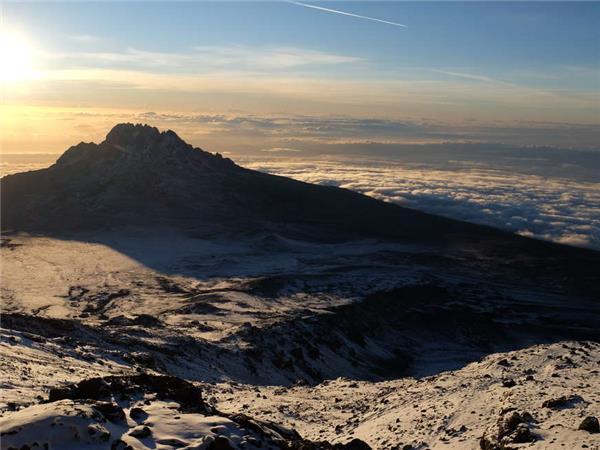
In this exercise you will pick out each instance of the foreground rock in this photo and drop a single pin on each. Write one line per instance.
(512, 428)
(104, 413)
(590, 424)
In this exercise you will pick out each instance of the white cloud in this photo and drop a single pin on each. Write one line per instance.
(527, 204)
(202, 58)
(270, 57)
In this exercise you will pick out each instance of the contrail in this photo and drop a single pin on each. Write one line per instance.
(335, 11)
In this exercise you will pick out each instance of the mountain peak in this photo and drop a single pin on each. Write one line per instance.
(140, 136)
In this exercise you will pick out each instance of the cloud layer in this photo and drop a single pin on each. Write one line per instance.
(242, 132)
(555, 209)
(344, 130)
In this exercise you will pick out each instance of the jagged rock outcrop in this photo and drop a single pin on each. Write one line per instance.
(92, 412)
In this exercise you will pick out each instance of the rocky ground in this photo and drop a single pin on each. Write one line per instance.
(553, 388)
(542, 397)
(365, 343)
(142, 411)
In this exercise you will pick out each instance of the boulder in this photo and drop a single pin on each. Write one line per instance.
(590, 424)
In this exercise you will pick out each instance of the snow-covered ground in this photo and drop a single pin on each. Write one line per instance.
(133, 416)
(163, 274)
(367, 340)
(451, 410)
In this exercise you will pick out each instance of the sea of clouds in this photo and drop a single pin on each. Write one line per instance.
(553, 208)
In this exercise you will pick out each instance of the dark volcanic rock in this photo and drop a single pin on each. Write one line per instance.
(508, 383)
(138, 414)
(590, 424)
(144, 320)
(562, 402)
(141, 432)
(43, 326)
(512, 428)
(119, 444)
(164, 386)
(113, 412)
(509, 423)
(355, 444)
(522, 434)
(220, 443)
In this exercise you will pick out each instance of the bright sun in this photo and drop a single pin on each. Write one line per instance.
(16, 58)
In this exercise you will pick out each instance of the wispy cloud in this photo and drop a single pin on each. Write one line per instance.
(86, 38)
(290, 80)
(337, 11)
(272, 57)
(204, 58)
(280, 150)
(468, 76)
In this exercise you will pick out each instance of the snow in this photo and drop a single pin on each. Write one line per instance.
(207, 266)
(451, 410)
(71, 425)
(29, 367)
(59, 425)
(429, 412)
(230, 315)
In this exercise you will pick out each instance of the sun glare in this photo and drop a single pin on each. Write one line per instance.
(16, 58)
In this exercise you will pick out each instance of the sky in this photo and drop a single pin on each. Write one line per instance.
(284, 76)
